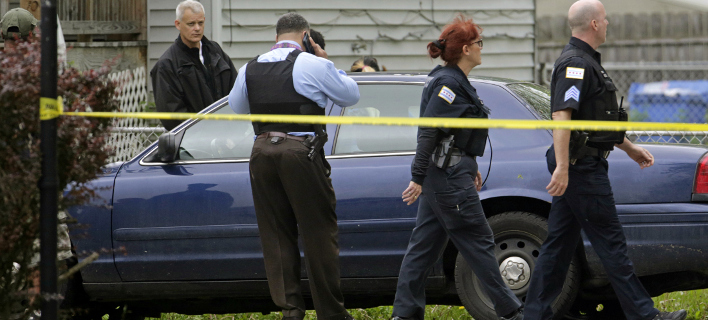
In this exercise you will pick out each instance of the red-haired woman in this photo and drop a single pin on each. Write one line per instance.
(446, 178)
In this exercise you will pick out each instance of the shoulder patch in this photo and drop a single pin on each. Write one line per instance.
(572, 93)
(574, 73)
(447, 94)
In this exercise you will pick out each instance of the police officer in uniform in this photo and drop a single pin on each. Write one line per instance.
(445, 177)
(582, 195)
(290, 180)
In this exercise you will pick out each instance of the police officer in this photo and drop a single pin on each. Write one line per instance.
(445, 177)
(290, 180)
(582, 195)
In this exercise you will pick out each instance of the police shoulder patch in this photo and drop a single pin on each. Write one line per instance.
(574, 73)
(447, 94)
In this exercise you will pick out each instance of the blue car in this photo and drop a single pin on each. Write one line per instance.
(179, 227)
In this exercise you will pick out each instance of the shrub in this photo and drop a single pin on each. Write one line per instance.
(81, 151)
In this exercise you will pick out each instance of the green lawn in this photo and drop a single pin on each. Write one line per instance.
(695, 302)
(431, 312)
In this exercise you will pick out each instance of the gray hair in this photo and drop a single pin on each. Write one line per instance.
(580, 18)
(291, 22)
(195, 6)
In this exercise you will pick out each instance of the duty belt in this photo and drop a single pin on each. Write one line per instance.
(276, 136)
(456, 155)
(595, 152)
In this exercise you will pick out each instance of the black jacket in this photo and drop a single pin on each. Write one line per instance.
(181, 83)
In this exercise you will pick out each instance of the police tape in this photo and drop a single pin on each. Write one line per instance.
(463, 123)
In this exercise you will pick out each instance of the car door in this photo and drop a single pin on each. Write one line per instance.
(192, 219)
(370, 169)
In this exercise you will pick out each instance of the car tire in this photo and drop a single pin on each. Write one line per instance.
(518, 237)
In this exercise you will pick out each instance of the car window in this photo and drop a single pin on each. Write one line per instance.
(217, 139)
(538, 97)
(381, 100)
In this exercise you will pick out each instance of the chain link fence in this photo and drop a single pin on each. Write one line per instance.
(660, 92)
(664, 99)
(132, 141)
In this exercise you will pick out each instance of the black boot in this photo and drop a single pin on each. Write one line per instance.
(519, 315)
(676, 315)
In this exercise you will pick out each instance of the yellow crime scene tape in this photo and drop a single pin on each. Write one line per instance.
(53, 110)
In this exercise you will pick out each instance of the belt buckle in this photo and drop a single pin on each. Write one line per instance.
(606, 154)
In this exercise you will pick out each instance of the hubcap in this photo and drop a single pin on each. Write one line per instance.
(515, 271)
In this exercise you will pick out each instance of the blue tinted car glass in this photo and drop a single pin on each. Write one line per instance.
(381, 100)
(217, 139)
(538, 97)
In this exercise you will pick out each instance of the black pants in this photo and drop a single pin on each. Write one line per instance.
(588, 204)
(450, 209)
(292, 193)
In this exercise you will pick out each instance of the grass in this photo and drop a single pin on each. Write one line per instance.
(437, 312)
(695, 302)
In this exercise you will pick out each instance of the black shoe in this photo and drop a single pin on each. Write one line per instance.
(293, 318)
(676, 315)
(519, 315)
(401, 318)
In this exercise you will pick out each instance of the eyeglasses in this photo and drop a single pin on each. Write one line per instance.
(481, 44)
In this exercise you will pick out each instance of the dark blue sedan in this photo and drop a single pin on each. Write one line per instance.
(183, 232)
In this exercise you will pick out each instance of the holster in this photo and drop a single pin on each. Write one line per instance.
(316, 142)
(578, 148)
(445, 154)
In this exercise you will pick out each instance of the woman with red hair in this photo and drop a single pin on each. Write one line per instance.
(445, 176)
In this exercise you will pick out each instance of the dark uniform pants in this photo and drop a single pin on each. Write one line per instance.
(587, 204)
(449, 208)
(290, 192)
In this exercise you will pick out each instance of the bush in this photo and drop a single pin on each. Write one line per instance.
(81, 151)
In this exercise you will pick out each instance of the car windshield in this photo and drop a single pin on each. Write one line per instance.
(538, 97)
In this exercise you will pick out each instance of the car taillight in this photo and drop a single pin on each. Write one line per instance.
(702, 176)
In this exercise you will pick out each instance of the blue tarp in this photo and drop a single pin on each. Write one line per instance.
(669, 101)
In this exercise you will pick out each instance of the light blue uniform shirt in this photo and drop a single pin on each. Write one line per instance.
(314, 78)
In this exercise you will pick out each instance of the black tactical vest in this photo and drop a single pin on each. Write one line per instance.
(472, 141)
(271, 91)
(601, 106)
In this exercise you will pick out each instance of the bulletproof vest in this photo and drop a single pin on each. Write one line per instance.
(471, 141)
(271, 91)
(601, 106)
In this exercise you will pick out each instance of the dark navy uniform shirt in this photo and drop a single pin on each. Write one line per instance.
(574, 79)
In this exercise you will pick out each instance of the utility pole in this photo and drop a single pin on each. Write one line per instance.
(49, 182)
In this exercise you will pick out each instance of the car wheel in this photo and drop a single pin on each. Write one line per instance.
(518, 237)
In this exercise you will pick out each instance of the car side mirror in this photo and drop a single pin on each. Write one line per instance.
(168, 146)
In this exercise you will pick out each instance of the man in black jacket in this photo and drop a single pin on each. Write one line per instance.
(194, 72)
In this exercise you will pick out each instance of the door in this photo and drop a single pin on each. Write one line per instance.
(192, 219)
(370, 168)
